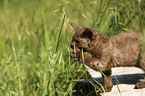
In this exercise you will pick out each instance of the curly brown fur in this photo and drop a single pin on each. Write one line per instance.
(123, 49)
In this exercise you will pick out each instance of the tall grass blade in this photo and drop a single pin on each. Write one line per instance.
(59, 36)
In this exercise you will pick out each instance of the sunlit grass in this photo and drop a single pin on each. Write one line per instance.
(35, 37)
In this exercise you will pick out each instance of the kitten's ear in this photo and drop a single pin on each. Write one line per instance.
(76, 27)
(89, 33)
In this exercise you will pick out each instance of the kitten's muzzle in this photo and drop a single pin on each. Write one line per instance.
(75, 43)
(75, 46)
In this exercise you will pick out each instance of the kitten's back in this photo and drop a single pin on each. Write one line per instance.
(126, 48)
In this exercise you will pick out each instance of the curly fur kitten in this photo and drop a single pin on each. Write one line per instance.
(123, 49)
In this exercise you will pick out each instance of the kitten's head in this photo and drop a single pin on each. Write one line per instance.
(83, 37)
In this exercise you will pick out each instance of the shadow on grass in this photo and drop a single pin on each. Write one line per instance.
(85, 88)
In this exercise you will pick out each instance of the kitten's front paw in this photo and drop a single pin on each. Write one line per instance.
(140, 85)
(109, 88)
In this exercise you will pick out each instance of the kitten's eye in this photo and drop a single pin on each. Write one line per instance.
(84, 41)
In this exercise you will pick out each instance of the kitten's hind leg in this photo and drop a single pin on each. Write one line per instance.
(141, 84)
(107, 80)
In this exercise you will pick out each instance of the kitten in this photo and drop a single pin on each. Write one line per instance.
(123, 49)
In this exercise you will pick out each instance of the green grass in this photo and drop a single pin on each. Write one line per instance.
(35, 39)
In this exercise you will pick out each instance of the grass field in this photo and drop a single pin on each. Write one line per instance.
(35, 37)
